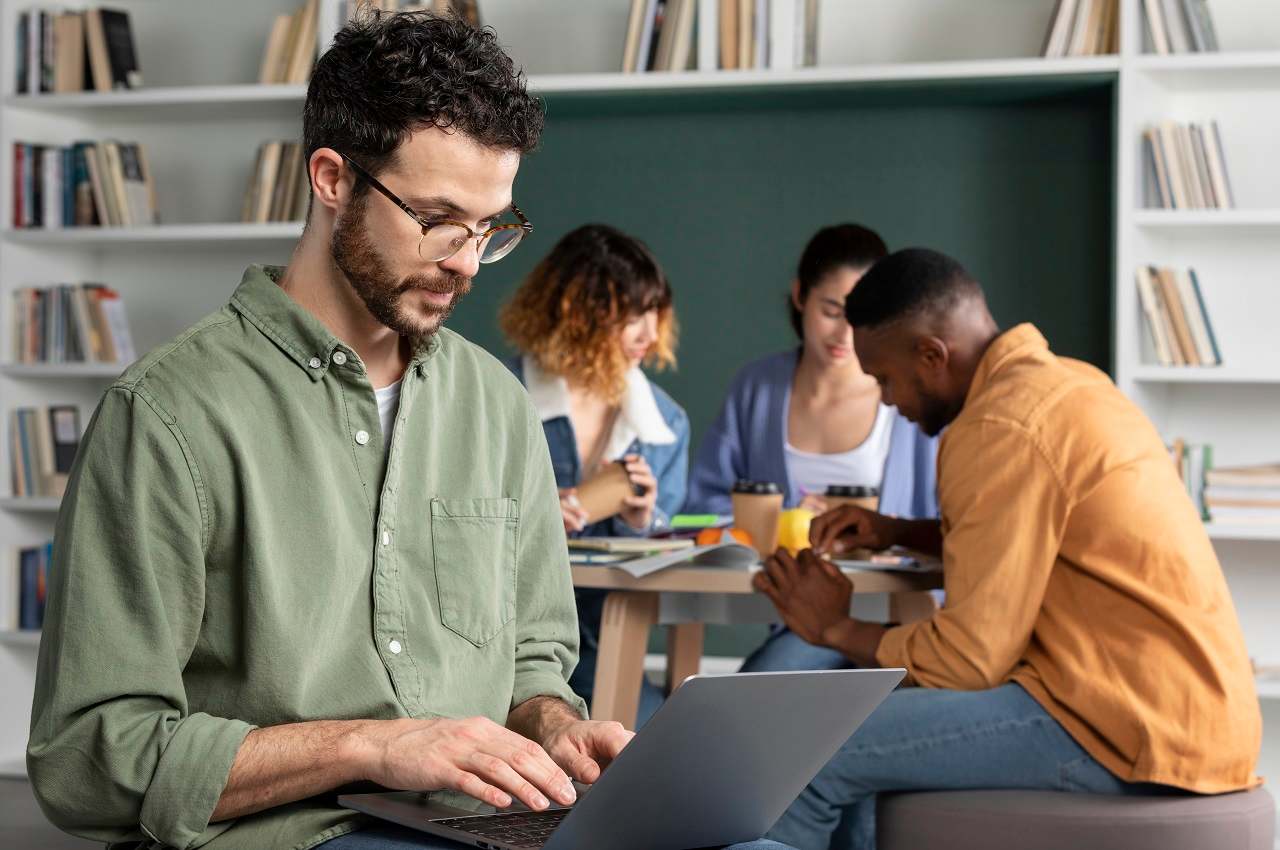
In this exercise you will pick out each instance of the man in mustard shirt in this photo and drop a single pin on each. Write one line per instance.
(1088, 641)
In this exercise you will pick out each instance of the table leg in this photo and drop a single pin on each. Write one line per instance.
(684, 652)
(624, 635)
(911, 606)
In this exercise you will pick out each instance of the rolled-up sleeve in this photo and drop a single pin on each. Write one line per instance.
(546, 618)
(114, 752)
(1004, 514)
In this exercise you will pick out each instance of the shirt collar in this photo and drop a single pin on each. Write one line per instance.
(638, 417)
(1014, 343)
(293, 328)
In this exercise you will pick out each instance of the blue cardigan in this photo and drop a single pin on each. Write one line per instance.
(748, 439)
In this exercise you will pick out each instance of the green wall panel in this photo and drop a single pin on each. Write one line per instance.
(1016, 181)
(726, 190)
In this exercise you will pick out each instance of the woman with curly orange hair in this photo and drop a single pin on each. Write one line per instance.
(595, 310)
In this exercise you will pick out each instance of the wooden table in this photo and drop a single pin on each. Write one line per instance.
(631, 609)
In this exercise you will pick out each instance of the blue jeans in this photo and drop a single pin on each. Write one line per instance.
(391, 837)
(583, 680)
(924, 739)
(785, 651)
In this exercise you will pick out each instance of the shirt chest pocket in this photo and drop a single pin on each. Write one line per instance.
(473, 544)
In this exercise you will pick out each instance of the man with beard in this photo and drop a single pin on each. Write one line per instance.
(1088, 642)
(315, 540)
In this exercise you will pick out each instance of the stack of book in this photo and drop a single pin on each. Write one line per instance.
(1176, 318)
(23, 579)
(1178, 26)
(63, 51)
(83, 323)
(1185, 167)
(667, 35)
(1083, 28)
(42, 447)
(467, 10)
(279, 187)
(291, 46)
(1193, 460)
(89, 183)
(1244, 494)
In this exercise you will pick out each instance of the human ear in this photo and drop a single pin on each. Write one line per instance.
(327, 184)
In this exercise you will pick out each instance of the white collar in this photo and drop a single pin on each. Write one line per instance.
(638, 417)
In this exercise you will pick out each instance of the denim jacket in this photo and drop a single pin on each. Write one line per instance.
(650, 424)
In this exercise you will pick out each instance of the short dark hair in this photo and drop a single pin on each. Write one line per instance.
(906, 283)
(831, 248)
(387, 75)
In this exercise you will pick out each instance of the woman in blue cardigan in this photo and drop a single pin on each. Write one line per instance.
(595, 310)
(809, 418)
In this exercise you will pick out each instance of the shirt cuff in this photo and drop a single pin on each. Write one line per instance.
(892, 651)
(190, 779)
(540, 684)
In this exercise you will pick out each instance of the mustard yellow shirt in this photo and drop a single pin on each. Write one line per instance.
(1076, 566)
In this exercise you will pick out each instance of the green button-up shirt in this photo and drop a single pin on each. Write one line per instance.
(237, 548)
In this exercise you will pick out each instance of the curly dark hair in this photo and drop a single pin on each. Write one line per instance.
(387, 75)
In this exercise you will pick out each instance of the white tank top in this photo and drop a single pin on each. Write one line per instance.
(862, 466)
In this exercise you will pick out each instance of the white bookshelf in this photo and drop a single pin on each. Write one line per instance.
(20, 638)
(93, 237)
(1234, 406)
(203, 118)
(30, 505)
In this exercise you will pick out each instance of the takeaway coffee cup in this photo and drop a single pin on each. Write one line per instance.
(603, 494)
(756, 508)
(863, 497)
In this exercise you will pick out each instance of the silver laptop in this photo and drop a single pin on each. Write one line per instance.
(718, 764)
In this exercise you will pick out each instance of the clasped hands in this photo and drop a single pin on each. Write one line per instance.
(810, 592)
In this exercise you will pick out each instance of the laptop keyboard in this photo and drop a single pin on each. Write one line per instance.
(518, 829)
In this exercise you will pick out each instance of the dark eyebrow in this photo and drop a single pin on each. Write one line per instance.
(450, 206)
(833, 302)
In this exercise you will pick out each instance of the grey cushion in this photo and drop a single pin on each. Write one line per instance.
(1050, 820)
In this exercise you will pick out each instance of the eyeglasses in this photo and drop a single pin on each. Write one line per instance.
(443, 238)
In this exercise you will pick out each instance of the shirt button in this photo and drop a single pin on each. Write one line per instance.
(386, 538)
(340, 358)
(362, 437)
(314, 363)
(395, 647)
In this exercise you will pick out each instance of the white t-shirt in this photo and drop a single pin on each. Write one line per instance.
(862, 466)
(388, 402)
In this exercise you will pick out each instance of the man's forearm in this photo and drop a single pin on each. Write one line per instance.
(281, 764)
(538, 717)
(856, 640)
(923, 535)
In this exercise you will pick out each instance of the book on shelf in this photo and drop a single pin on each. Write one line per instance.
(1244, 494)
(1184, 167)
(24, 577)
(279, 186)
(60, 51)
(291, 46)
(1194, 461)
(1178, 26)
(467, 10)
(80, 323)
(677, 35)
(42, 446)
(1176, 318)
(1082, 28)
(107, 183)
